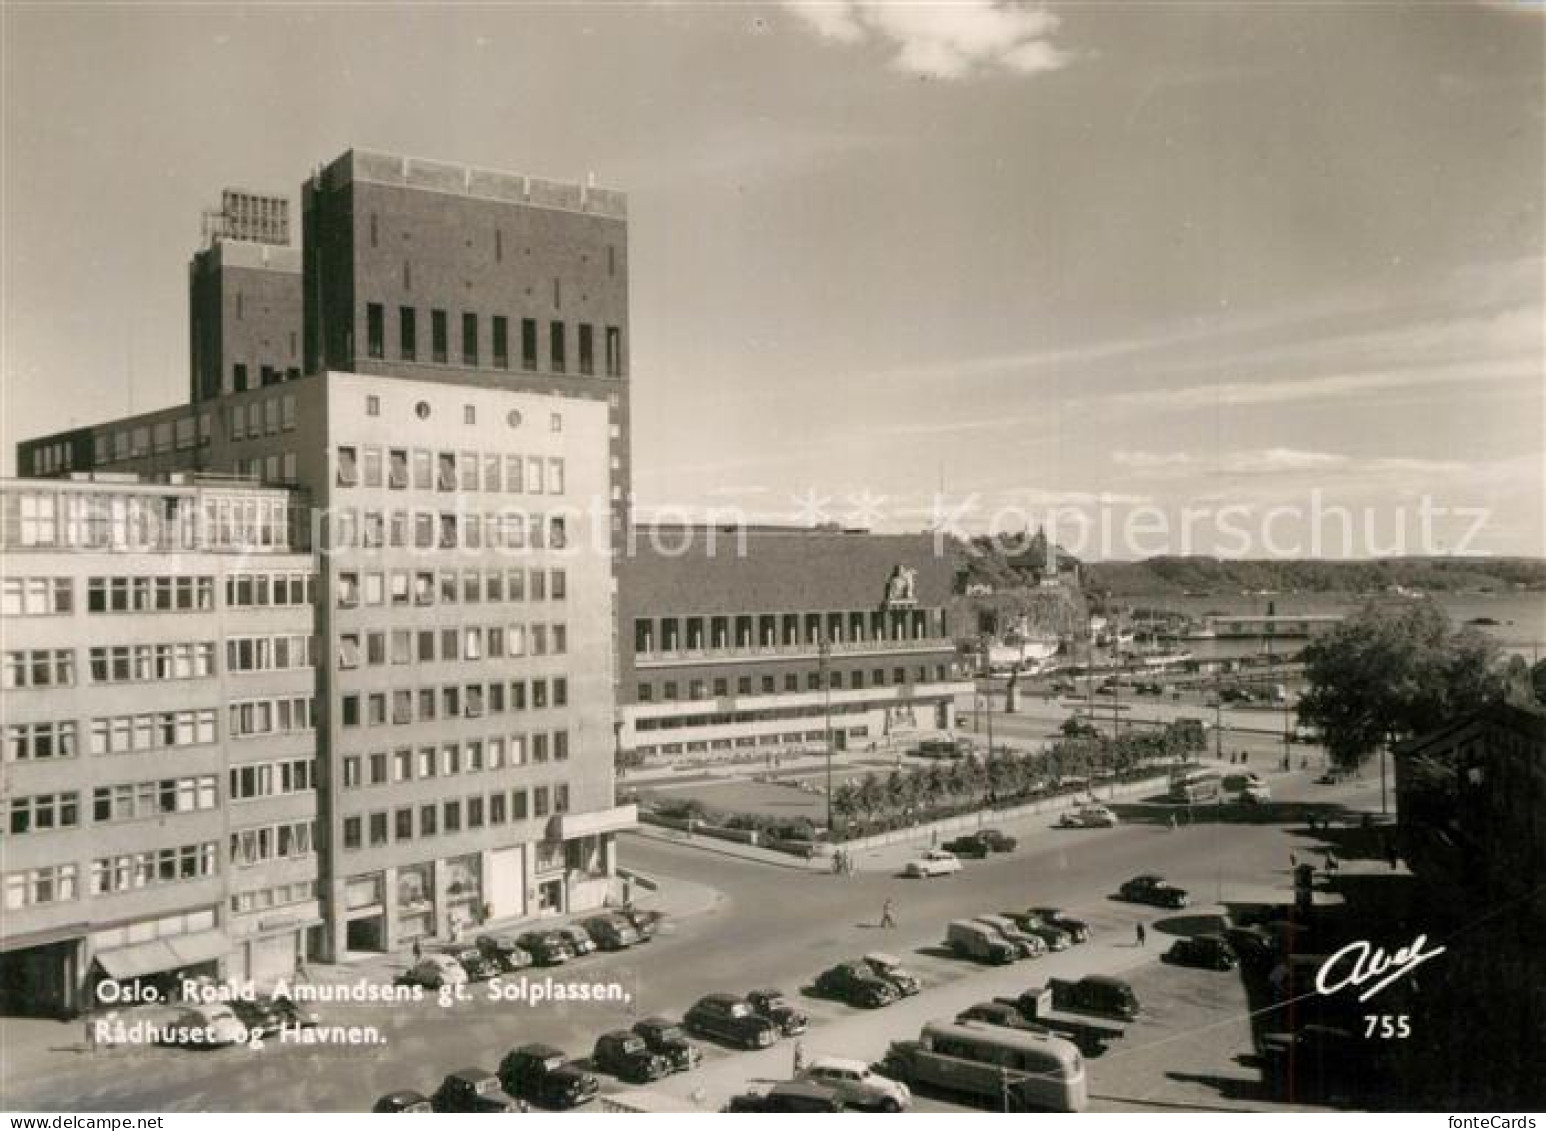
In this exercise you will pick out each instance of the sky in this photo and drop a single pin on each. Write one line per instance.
(980, 265)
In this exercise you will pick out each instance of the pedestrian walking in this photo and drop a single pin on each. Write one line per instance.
(91, 1034)
(1172, 822)
(1141, 934)
(1331, 863)
(799, 1057)
(1390, 851)
(418, 951)
(887, 919)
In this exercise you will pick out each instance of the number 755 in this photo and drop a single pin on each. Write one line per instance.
(1386, 1026)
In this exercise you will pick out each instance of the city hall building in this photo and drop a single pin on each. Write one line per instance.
(751, 639)
(458, 433)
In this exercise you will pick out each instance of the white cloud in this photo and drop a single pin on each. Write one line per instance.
(943, 40)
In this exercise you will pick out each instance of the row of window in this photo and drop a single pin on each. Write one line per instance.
(289, 840)
(282, 652)
(137, 801)
(769, 685)
(771, 630)
(281, 895)
(471, 341)
(149, 594)
(450, 587)
(428, 645)
(45, 517)
(273, 779)
(270, 590)
(447, 818)
(449, 759)
(52, 596)
(131, 443)
(402, 468)
(154, 868)
(36, 596)
(290, 714)
(157, 730)
(445, 530)
(42, 812)
(38, 667)
(265, 416)
(453, 701)
(145, 663)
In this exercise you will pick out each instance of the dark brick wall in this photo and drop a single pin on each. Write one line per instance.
(241, 313)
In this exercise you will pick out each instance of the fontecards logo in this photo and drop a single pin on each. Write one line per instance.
(1360, 963)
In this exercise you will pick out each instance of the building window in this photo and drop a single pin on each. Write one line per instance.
(469, 414)
(437, 337)
(501, 342)
(587, 350)
(375, 329)
(469, 339)
(407, 334)
(614, 352)
(239, 377)
(348, 466)
(528, 343)
(556, 347)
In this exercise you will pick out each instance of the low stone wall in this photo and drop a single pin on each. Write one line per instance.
(694, 827)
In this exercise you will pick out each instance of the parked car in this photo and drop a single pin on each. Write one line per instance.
(1097, 995)
(1029, 945)
(1254, 946)
(293, 1014)
(611, 932)
(208, 1026)
(647, 923)
(776, 1008)
(1256, 794)
(1210, 952)
(1001, 1014)
(1077, 929)
(472, 1090)
(791, 1096)
(935, 862)
(258, 1014)
(432, 971)
(969, 847)
(624, 1054)
(404, 1101)
(856, 984)
(1153, 890)
(479, 967)
(665, 1038)
(857, 1086)
(904, 981)
(998, 840)
(578, 938)
(1088, 817)
(547, 948)
(504, 952)
(1055, 938)
(728, 1018)
(973, 940)
(543, 1075)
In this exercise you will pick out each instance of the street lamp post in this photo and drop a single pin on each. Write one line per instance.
(823, 654)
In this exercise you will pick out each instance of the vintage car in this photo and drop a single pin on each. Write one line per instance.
(471, 1090)
(856, 983)
(935, 862)
(1153, 890)
(856, 1085)
(665, 1038)
(544, 1075)
(728, 1018)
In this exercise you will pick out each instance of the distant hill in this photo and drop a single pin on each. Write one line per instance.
(1213, 575)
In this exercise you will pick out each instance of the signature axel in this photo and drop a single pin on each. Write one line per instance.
(1363, 962)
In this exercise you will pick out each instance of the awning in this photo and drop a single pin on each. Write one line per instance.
(206, 946)
(161, 955)
(571, 825)
(137, 961)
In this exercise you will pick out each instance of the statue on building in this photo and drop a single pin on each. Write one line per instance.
(901, 588)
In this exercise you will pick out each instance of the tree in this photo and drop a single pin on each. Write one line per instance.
(845, 802)
(899, 792)
(871, 796)
(1386, 674)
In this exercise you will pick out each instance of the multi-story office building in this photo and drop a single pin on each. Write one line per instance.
(160, 753)
(750, 639)
(447, 272)
(244, 298)
(464, 512)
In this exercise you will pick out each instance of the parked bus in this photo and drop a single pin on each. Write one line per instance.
(1010, 1069)
(1196, 786)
